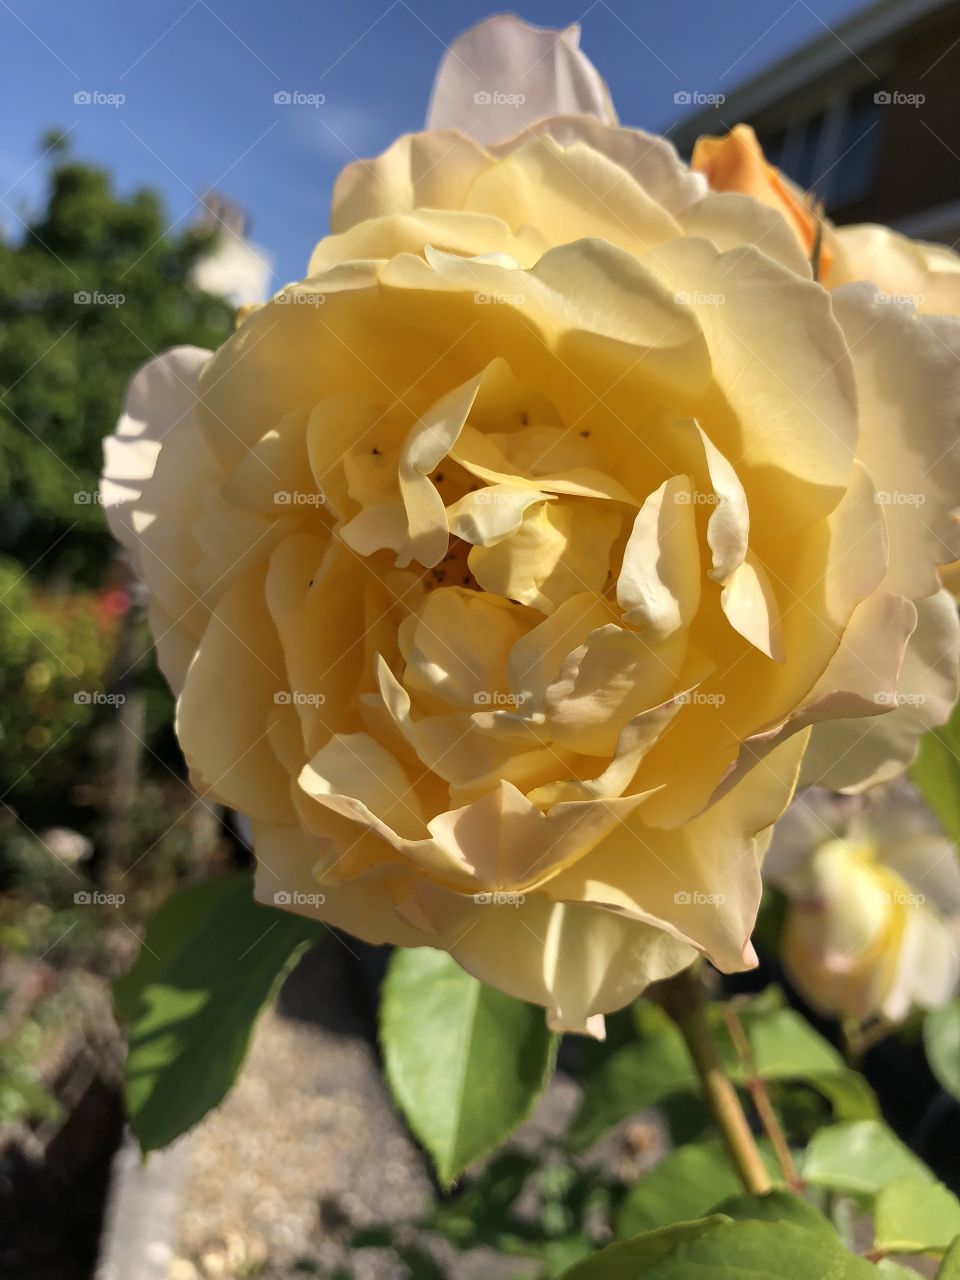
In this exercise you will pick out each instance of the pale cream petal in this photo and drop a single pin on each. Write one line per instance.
(458, 647)
(926, 274)
(728, 528)
(227, 701)
(651, 161)
(161, 394)
(908, 380)
(510, 844)
(504, 73)
(861, 679)
(750, 603)
(448, 230)
(275, 474)
(353, 766)
(659, 583)
(419, 171)
(163, 524)
(701, 882)
(731, 220)
(850, 755)
(783, 369)
(285, 878)
(293, 351)
(484, 516)
(482, 457)
(537, 656)
(173, 644)
(635, 740)
(574, 960)
(568, 194)
(928, 966)
(380, 528)
(425, 447)
(351, 427)
(315, 596)
(560, 550)
(926, 859)
(606, 681)
(642, 342)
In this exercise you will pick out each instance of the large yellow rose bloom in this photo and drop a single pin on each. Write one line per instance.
(502, 566)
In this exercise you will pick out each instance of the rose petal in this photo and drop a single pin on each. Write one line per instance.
(505, 73)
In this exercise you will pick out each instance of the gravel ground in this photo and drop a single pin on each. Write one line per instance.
(308, 1146)
(305, 1144)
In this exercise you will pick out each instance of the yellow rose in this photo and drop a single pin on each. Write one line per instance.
(502, 566)
(869, 929)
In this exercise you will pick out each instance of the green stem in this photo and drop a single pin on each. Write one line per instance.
(683, 998)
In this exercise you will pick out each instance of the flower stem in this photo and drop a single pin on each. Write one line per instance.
(683, 998)
(761, 1099)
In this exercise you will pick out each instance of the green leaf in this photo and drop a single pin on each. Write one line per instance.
(913, 1215)
(887, 1269)
(950, 1266)
(627, 1259)
(717, 1248)
(637, 1076)
(848, 1093)
(684, 1185)
(657, 1066)
(211, 959)
(465, 1062)
(860, 1157)
(936, 773)
(786, 1047)
(941, 1038)
(776, 1206)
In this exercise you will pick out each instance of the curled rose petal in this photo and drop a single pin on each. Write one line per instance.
(505, 73)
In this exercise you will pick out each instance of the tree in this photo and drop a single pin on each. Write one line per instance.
(97, 285)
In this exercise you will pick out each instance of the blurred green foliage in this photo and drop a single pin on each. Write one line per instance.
(97, 285)
(55, 651)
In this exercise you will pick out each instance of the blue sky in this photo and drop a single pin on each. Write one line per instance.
(199, 77)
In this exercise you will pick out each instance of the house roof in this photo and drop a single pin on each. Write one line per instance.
(853, 49)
